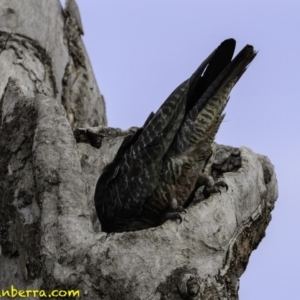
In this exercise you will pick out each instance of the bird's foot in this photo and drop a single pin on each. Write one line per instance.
(213, 187)
(175, 211)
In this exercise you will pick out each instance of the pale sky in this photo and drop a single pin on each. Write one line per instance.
(141, 50)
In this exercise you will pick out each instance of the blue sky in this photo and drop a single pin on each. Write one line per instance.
(141, 50)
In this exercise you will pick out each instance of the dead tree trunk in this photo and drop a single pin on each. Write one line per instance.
(50, 237)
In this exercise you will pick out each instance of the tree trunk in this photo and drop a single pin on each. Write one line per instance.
(50, 236)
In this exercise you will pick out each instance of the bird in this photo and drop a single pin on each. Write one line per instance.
(157, 169)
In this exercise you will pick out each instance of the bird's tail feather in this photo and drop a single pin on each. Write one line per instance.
(212, 103)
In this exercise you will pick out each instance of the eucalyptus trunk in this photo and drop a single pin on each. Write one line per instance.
(51, 158)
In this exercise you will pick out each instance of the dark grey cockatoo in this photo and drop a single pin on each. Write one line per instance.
(156, 170)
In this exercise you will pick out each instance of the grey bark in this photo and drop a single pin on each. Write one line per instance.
(42, 47)
(50, 236)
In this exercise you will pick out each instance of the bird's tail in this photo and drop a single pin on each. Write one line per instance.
(203, 120)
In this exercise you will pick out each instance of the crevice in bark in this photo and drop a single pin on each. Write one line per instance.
(20, 210)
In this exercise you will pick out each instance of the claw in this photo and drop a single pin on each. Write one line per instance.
(181, 209)
(174, 211)
(212, 187)
(222, 184)
(173, 216)
(180, 218)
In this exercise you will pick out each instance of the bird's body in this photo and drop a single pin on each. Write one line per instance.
(160, 165)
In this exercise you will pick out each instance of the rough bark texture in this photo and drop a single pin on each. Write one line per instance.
(50, 237)
(42, 47)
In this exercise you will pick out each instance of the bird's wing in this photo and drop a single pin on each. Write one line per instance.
(133, 174)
